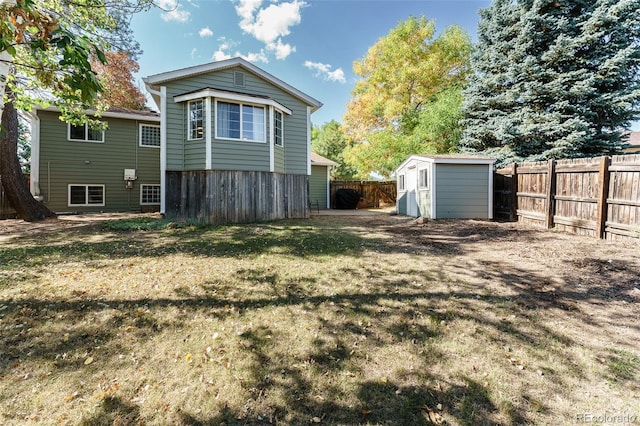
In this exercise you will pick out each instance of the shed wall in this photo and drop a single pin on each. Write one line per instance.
(318, 186)
(462, 191)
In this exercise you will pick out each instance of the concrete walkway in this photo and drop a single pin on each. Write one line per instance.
(356, 212)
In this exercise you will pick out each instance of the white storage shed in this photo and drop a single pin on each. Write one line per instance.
(446, 186)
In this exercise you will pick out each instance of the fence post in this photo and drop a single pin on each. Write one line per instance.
(514, 193)
(603, 192)
(549, 199)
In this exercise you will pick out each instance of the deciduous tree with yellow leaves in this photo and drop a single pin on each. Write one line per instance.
(409, 97)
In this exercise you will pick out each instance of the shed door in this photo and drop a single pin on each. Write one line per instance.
(412, 196)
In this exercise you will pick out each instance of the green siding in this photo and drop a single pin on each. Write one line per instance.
(278, 159)
(64, 162)
(462, 191)
(318, 186)
(235, 155)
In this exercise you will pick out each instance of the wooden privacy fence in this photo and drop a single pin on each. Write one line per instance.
(219, 197)
(372, 193)
(590, 196)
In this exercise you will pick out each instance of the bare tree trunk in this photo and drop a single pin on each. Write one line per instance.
(13, 181)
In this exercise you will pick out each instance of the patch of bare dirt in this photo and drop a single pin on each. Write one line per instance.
(18, 228)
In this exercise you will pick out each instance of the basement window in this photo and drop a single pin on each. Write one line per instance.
(86, 195)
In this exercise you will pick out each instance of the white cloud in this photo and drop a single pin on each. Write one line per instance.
(226, 46)
(205, 32)
(270, 24)
(194, 51)
(324, 71)
(282, 50)
(173, 11)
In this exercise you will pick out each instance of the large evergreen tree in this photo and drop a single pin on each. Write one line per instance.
(553, 79)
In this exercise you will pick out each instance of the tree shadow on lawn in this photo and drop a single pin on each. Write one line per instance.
(467, 400)
(378, 402)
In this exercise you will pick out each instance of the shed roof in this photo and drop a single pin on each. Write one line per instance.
(319, 160)
(448, 159)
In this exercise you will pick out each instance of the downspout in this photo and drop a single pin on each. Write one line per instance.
(208, 129)
(329, 187)
(433, 190)
(163, 143)
(309, 141)
(490, 201)
(35, 156)
(272, 136)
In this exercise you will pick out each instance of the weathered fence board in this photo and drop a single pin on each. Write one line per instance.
(588, 196)
(372, 193)
(219, 197)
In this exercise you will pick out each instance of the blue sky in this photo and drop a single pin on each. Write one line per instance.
(310, 44)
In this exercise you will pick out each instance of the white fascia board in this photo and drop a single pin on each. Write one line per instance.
(112, 114)
(218, 94)
(229, 63)
(462, 160)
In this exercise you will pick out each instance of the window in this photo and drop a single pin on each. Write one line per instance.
(278, 129)
(196, 119)
(149, 194)
(86, 195)
(401, 186)
(423, 179)
(239, 121)
(84, 133)
(149, 135)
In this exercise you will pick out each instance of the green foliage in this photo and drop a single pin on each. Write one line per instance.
(553, 79)
(330, 141)
(408, 98)
(51, 42)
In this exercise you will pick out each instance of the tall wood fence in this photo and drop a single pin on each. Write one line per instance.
(373, 194)
(598, 197)
(219, 197)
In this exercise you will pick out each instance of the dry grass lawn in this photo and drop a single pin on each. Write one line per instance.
(334, 320)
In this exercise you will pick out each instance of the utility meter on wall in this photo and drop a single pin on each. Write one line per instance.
(129, 177)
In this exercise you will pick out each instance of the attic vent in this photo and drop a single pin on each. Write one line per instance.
(238, 78)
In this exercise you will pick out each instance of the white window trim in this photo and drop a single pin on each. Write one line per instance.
(264, 121)
(141, 192)
(274, 128)
(189, 129)
(140, 135)
(402, 179)
(86, 135)
(86, 186)
(427, 178)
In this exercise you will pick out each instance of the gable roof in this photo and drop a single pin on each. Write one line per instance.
(156, 80)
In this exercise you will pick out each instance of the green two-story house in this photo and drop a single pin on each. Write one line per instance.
(235, 143)
(230, 143)
(79, 169)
